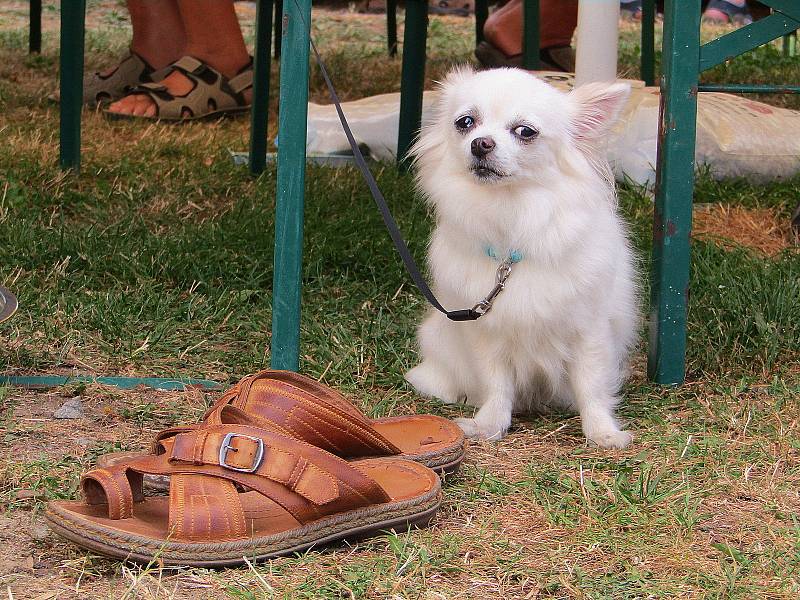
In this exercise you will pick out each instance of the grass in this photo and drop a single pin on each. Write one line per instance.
(156, 260)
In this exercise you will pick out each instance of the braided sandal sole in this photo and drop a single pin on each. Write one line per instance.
(351, 525)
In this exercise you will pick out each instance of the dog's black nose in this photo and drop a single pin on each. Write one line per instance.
(482, 146)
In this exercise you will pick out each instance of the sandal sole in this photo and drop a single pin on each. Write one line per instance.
(353, 525)
(212, 116)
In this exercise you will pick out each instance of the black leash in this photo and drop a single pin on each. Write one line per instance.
(503, 271)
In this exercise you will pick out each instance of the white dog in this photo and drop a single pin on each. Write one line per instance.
(512, 169)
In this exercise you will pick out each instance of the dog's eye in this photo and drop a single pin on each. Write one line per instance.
(524, 132)
(464, 123)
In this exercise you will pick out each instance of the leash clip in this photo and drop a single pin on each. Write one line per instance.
(502, 275)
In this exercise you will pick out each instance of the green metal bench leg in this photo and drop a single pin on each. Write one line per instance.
(73, 17)
(391, 26)
(35, 27)
(481, 14)
(290, 187)
(413, 76)
(260, 111)
(278, 23)
(648, 67)
(530, 35)
(672, 220)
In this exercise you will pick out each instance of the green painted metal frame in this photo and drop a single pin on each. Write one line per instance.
(531, 35)
(277, 39)
(391, 26)
(262, 67)
(286, 288)
(35, 26)
(481, 14)
(412, 79)
(73, 19)
(746, 38)
(672, 219)
(749, 88)
(648, 58)
(125, 383)
(683, 60)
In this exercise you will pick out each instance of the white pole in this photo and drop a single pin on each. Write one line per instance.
(597, 39)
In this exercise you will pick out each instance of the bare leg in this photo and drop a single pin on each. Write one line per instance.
(158, 34)
(210, 32)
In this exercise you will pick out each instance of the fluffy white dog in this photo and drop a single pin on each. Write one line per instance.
(512, 168)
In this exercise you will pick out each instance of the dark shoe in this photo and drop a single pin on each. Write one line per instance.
(551, 59)
(631, 10)
(458, 8)
(722, 11)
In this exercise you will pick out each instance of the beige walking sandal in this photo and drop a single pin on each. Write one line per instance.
(212, 95)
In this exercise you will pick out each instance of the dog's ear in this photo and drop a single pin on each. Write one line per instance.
(596, 107)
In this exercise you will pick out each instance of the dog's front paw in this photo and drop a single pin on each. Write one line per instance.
(477, 430)
(613, 438)
(431, 383)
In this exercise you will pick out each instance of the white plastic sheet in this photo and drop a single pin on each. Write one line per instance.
(735, 136)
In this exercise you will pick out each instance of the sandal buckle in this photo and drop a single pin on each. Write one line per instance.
(227, 447)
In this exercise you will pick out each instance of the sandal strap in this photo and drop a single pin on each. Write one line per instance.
(242, 81)
(190, 65)
(251, 454)
(211, 90)
(305, 409)
(203, 508)
(132, 70)
(117, 487)
(305, 481)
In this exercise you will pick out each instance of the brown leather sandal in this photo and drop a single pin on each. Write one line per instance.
(212, 95)
(238, 491)
(301, 407)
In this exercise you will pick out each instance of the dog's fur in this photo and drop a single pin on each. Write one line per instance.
(560, 334)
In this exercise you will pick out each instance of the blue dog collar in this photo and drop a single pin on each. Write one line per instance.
(515, 255)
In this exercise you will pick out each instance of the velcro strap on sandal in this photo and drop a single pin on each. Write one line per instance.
(189, 64)
(153, 87)
(243, 453)
(242, 81)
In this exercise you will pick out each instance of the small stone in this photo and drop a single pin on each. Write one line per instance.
(71, 409)
(84, 441)
(39, 532)
(24, 494)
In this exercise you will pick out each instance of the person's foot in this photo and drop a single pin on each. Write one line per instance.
(723, 11)
(632, 10)
(142, 105)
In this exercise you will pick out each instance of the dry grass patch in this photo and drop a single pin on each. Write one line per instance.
(764, 230)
